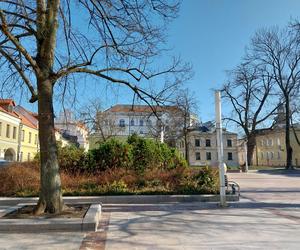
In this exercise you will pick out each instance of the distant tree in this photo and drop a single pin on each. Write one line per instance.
(250, 92)
(45, 42)
(278, 51)
(185, 118)
(102, 125)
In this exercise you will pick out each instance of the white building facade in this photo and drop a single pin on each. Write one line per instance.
(69, 127)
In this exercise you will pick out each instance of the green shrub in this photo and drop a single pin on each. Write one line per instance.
(71, 158)
(148, 153)
(110, 154)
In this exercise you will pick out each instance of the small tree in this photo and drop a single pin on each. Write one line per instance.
(45, 42)
(185, 114)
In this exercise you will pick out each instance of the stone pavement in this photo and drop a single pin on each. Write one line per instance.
(267, 217)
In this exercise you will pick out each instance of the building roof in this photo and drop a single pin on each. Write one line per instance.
(7, 102)
(127, 108)
(28, 121)
(8, 112)
(24, 115)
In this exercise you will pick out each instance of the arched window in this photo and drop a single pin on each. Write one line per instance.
(122, 123)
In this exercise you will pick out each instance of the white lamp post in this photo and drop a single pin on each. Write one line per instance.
(162, 136)
(246, 156)
(220, 148)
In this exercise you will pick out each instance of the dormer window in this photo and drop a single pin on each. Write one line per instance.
(122, 123)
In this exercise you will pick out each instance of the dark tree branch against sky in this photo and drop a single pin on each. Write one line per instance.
(45, 43)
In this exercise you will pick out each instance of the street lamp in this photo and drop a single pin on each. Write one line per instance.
(220, 148)
(246, 155)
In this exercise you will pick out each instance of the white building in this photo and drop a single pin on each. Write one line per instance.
(125, 120)
(69, 127)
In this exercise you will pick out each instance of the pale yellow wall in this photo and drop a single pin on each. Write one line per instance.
(271, 151)
(28, 148)
(10, 140)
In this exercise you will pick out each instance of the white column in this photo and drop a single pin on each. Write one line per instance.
(162, 134)
(220, 148)
(246, 156)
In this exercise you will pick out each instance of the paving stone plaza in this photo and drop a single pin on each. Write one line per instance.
(266, 217)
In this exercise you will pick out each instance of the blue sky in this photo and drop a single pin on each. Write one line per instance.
(212, 35)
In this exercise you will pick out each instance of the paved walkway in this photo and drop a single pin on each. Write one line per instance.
(267, 217)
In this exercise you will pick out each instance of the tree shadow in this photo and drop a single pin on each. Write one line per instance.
(281, 171)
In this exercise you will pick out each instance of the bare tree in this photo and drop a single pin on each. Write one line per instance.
(101, 124)
(278, 51)
(45, 42)
(249, 91)
(185, 118)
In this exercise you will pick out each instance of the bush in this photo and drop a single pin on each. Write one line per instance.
(110, 154)
(20, 179)
(72, 159)
(23, 180)
(148, 153)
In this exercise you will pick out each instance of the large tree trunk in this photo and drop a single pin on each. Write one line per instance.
(289, 149)
(50, 199)
(251, 143)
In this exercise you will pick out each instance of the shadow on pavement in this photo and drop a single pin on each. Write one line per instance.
(282, 171)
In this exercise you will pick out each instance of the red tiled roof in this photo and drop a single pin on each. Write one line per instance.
(140, 108)
(3, 109)
(7, 102)
(4, 103)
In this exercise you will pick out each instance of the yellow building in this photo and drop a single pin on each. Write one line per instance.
(271, 150)
(19, 132)
(9, 131)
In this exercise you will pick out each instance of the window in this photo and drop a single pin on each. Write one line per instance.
(14, 133)
(229, 156)
(0, 128)
(122, 123)
(141, 123)
(149, 123)
(132, 122)
(272, 155)
(278, 141)
(198, 156)
(261, 155)
(270, 142)
(208, 156)
(28, 157)
(278, 155)
(21, 156)
(229, 143)
(35, 139)
(7, 130)
(23, 135)
(207, 143)
(29, 138)
(261, 142)
(141, 132)
(197, 142)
